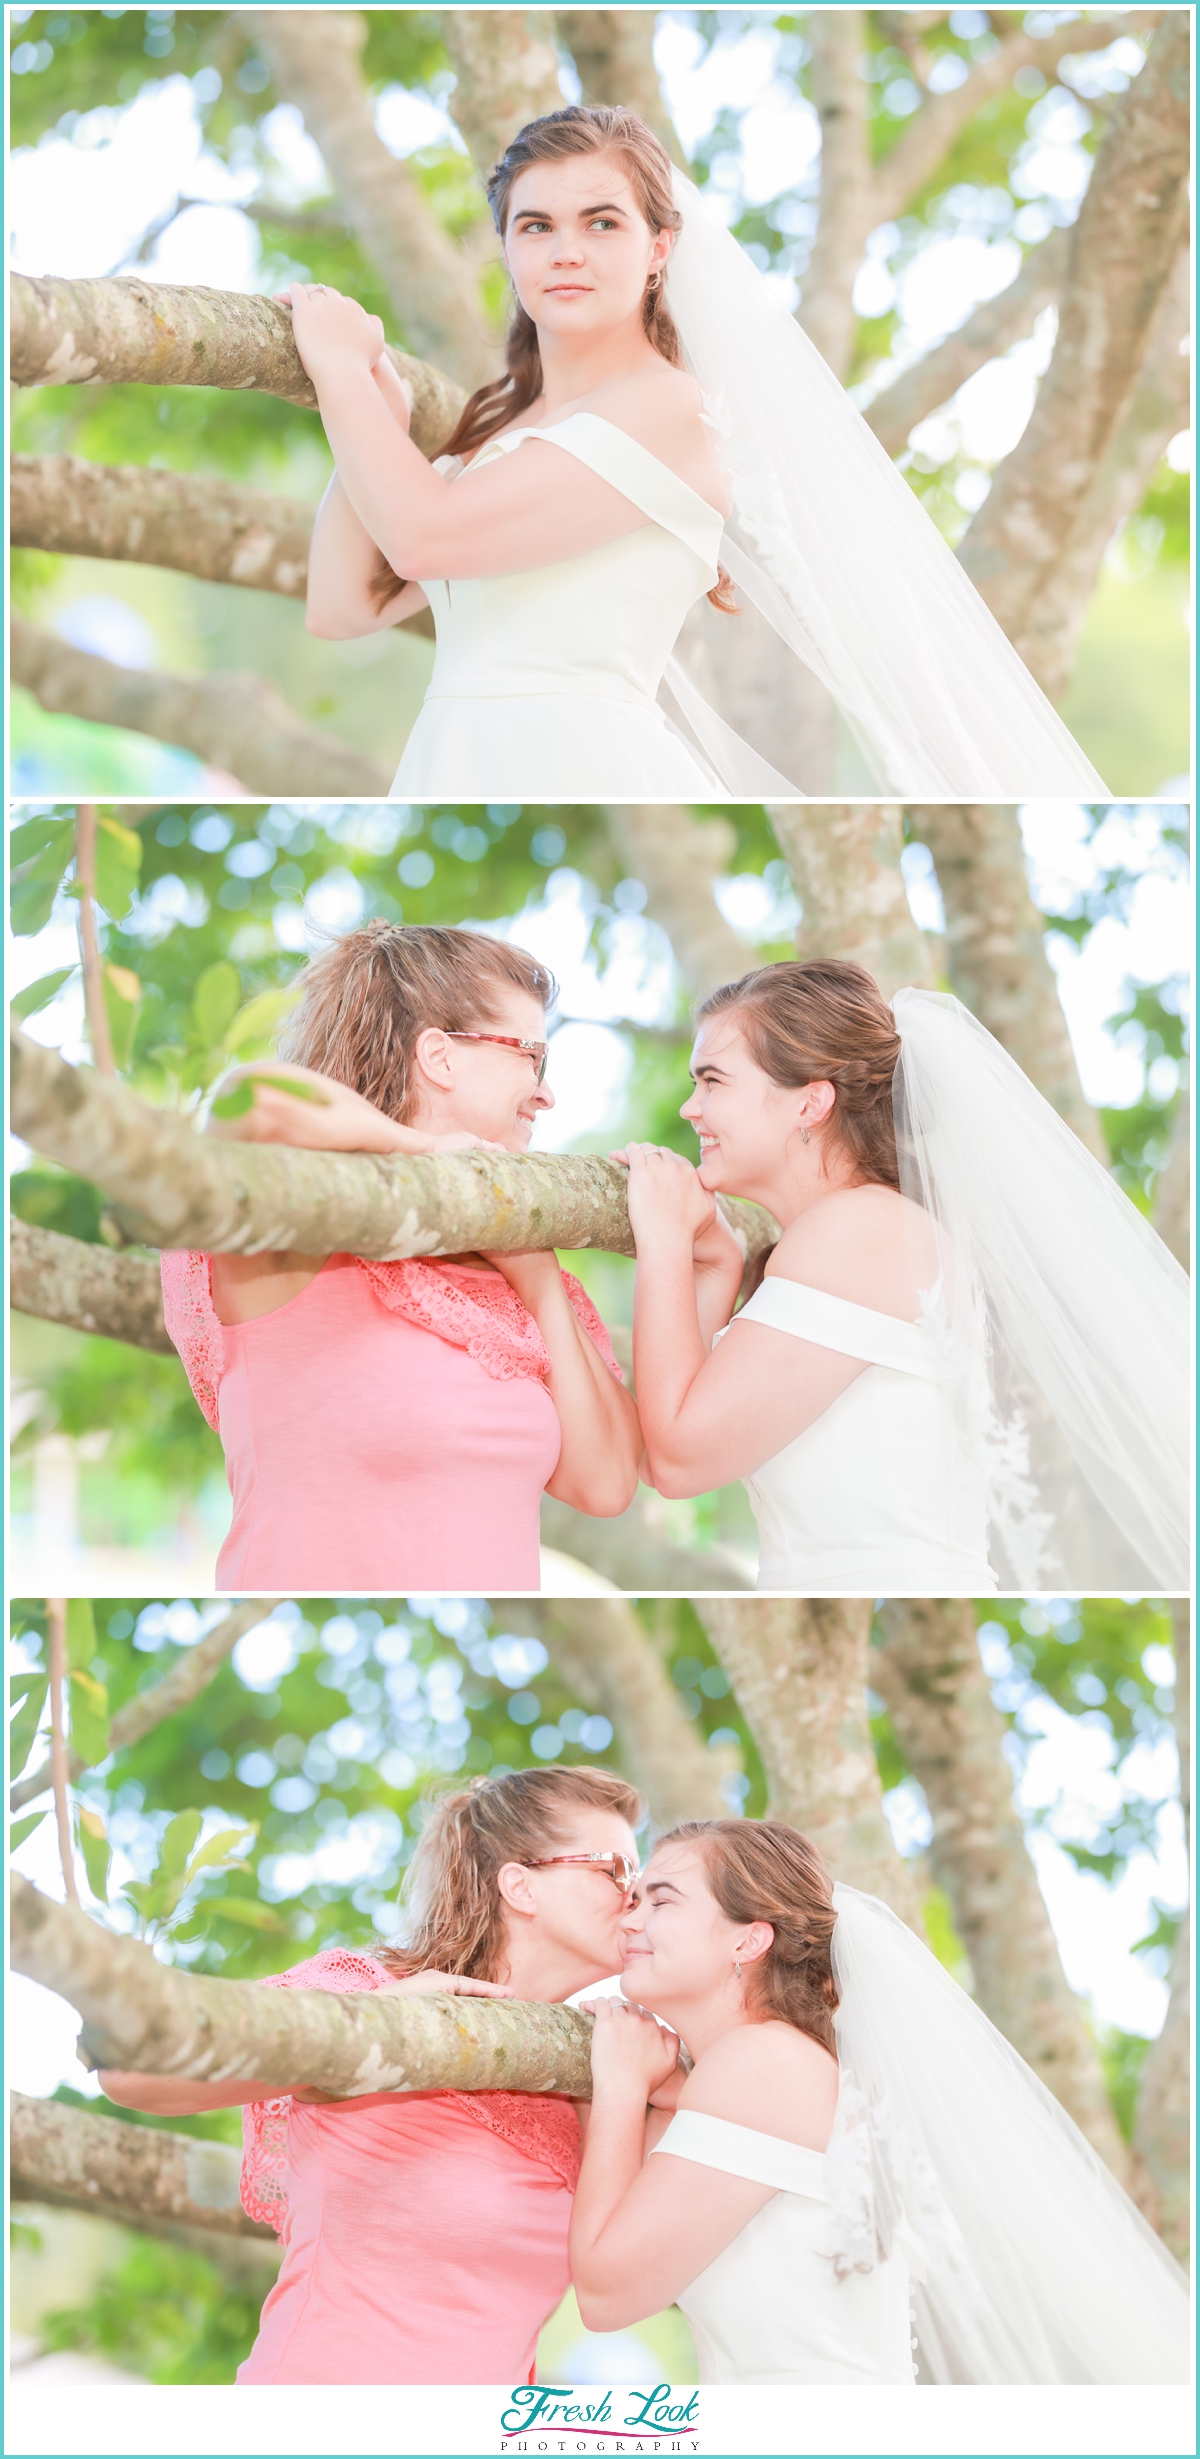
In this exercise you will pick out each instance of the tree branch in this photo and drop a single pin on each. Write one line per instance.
(844, 859)
(678, 858)
(613, 1666)
(314, 56)
(123, 329)
(139, 2175)
(990, 330)
(931, 1677)
(506, 72)
(91, 1289)
(187, 1678)
(848, 211)
(56, 1619)
(174, 1188)
(613, 50)
(1163, 2128)
(207, 527)
(636, 1553)
(1123, 248)
(234, 721)
(89, 946)
(147, 2018)
(996, 950)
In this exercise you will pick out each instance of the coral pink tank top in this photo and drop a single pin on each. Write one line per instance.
(424, 2233)
(388, 1429)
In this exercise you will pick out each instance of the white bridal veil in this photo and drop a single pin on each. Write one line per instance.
(1036, 2265)
(1065, 1318)
(828, 541)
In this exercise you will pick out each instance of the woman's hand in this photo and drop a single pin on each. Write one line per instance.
(442, 1985)
(331, 330)
(255, 1105)
(665, 1194)
(631, 2051)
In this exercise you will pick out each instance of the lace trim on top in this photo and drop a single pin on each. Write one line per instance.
(544, 2129)
(475, 1310)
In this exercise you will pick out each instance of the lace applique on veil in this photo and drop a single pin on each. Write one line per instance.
(472, 1309)
(545, 2129)
(997, 1445)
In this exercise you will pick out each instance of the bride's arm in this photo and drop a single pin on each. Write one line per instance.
(343, 561)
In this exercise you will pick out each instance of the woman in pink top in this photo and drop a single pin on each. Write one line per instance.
(392, 1426)
(425, 2233)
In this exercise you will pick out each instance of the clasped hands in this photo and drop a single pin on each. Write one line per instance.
(331, 330)
(667, 1198)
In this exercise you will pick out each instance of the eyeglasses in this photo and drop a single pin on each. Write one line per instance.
(539, 1052)
(617, 1866)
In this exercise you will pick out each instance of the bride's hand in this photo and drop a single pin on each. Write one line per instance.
(330, 329)
(442, 1985)
(665, 1194)
(630, 2048)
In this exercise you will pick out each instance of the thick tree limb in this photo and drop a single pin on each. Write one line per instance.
(138, 2175)
(929, 1673)
(1123, 248)
(1162, 2131)
(123, 329)
(612, 1665)
(844, 859)
(191, 1674)
(798, 1666)
(847, 203)
(990, 330)
(1173, 1194)
(996, 949)
(174, 1188)
(613, 50)
(204, 526)
(314, 56)
(633, 1551)
(70, 1281)
(146, 2018)
(678, 858)
(234, 721)
(506, 72)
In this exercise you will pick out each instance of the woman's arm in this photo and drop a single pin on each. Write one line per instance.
(597, 1467)
(343, 562)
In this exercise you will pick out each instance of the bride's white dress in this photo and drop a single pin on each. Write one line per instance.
(771, 2307)
(544, 683)
(877, 1497)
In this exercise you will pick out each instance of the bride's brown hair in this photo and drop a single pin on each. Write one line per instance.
(760, 1870)
(578, 129)
(455, 1909)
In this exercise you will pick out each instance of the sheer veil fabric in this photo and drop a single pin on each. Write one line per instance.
(828, 541)
(1036, 2265)
(1065, 1318)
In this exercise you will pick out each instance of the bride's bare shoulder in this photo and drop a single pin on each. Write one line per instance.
(768, 2076)
(661, 408)
(869, 1244)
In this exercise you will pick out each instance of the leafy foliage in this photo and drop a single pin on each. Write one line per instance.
(165, 2313)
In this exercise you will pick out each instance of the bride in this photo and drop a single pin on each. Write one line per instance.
(966, 1366)
(908, 2202)
(697, 441)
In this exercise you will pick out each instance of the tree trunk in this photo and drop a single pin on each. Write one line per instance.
(844, 859)
(187, 1678)
(1173, 1195)
(148, 2018)
(1162, 2134)
(988, 332)
(678, 858)
(768, 695)
(929, 1673)
(847, 209)
(137, 2175)
(635, 1551)
(314, 58)
(207, 527)
(234, 721)
(125, 330)
(613, 50)
(70, 1281)
(506, 73)
(613, 1666)
(174, 1188)
(798, 1666)
(996, 949)
(1123, 247)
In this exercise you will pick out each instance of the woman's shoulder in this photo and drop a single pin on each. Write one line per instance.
(770, 2077)
(660, 408)
(869, 1245)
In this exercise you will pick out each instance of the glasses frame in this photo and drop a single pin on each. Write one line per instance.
(610, 1864)
(534, 1050)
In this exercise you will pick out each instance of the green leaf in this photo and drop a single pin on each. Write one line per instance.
(39, 994)
(246, 1909)
(122, 999)
(235, 1104)
(41, 854)
(118, 866)
(215, 1003)
(260, 1019)
(96, 1851)
(89, 1718)
(81, 1632)
(25, 1723)
(217, 1849)
(25, 1827)
(177, 1843)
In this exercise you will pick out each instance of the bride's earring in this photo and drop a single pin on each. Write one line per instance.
(738, 1969)
(804, 1135)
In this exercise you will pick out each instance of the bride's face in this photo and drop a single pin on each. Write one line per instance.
(680, 1948)
(484, 1087)
(746, 1124)
(578, 246)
